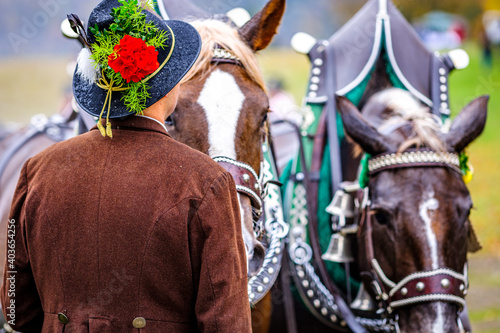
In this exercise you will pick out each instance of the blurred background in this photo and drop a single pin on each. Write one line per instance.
(35, 78)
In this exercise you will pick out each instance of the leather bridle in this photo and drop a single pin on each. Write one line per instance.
(245, 178)
(442, 284)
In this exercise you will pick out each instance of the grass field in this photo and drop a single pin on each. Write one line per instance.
(29, 86)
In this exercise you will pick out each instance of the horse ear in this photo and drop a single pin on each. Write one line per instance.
(260, 30)
(468, 124)
(358, 128)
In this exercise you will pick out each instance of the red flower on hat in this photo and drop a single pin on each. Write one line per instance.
(133, 59)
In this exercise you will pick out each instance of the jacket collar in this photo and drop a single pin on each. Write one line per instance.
(136, 123)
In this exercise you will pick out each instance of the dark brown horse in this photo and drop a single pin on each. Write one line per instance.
(415, 232)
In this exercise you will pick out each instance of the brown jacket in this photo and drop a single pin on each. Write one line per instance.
(112, 230)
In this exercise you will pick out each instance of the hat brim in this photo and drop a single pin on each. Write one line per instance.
(187, 47)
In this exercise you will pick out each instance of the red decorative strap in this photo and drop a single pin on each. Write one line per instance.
(245, 177)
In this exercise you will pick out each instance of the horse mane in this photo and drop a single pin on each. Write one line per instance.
(401, 108)
(214, 32)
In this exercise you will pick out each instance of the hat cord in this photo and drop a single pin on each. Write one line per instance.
(104, 84)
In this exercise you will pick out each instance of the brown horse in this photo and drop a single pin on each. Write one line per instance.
(415, 232)
(222, 110)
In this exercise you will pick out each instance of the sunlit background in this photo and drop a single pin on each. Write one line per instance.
(35, 67)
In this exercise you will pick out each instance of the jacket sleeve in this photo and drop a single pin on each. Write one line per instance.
(219, 261)
(20, 301)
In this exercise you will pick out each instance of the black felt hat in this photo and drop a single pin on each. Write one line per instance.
(91, 98)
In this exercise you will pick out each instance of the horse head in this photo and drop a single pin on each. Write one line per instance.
(413, 240)
(223, 106)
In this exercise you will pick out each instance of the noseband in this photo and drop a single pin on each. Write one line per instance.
(442, 284)
(245, 178)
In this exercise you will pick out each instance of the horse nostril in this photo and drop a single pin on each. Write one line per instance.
(257, 260)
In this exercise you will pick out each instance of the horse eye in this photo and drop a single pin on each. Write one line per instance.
(382, 218)
(170, 121)
(265, 118)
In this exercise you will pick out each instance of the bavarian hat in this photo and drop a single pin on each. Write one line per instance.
(97, 91)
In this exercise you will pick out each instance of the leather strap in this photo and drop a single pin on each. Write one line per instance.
(312, 198)
(245, 178)
(333, 139)
(287, 295)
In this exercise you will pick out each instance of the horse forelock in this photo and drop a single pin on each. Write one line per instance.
(214, 32)
(402, 108)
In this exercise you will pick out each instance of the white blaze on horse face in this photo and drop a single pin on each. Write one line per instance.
(430, 203)
(222, 100)
(438, 325)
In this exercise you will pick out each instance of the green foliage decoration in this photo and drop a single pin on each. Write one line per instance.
(129, 19)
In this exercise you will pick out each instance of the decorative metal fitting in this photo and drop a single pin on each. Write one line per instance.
(462, 287)
(445, 283)
(246, 178)
(404, 291)
(420, 286)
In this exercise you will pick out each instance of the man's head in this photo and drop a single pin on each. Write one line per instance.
(126, 69)
(164, 107)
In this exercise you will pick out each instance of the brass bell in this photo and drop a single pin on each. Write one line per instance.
(339, 249)
(363, 300)
(342, 205)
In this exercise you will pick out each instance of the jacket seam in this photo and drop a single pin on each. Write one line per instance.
(222, 175)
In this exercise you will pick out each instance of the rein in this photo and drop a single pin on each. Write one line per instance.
(441, 284)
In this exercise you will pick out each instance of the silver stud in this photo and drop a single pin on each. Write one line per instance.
(343, 323)
(301, 274)
(318, 62)
(317, 303)
(442, 71)
(257, 186)
(445, 283)
(313, 94)
(444, 97)
(265, 280)
(305, 283)
(465, 292)
(443, 79)
(404, 291)
(324, 311)
(300, 175)
(316, 71)
(270, 270)
(333, 318)
(315, 80)
(420, 286)
(277, 251)
(462, 287)
(275, 260)
(444, 88)
(252, 296)
(310, 293)
(260, 289)
(444, 105)
(246, 178)
(314, 87)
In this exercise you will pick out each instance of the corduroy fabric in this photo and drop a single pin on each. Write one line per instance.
(140, 225)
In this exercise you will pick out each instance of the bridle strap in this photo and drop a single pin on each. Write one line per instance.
(413, 159)
(245, 178)
(224, 56)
